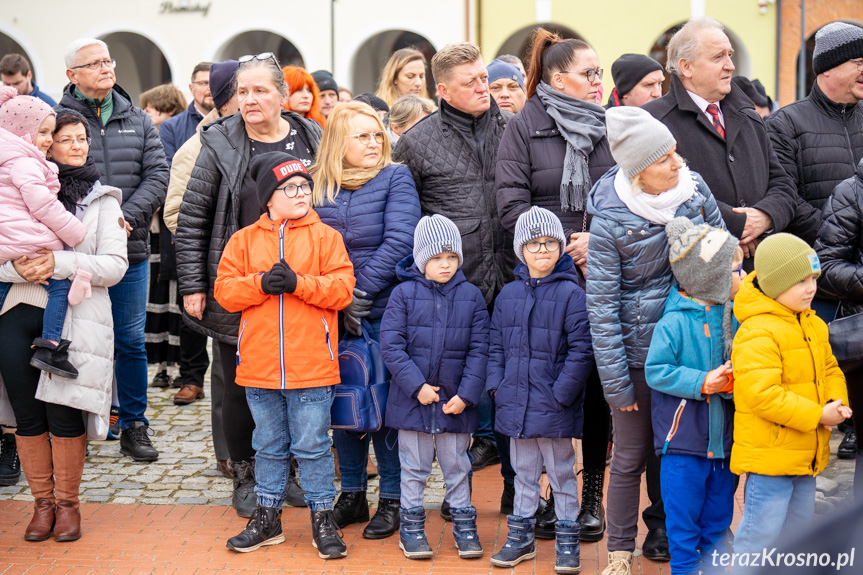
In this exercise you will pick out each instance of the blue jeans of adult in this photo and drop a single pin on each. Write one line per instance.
(699, 503)
(293, 421)
(774, 508)
(129, 308)
(353, 450)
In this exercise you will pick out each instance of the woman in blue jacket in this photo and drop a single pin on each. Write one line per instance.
(628, 281)
(374, 204)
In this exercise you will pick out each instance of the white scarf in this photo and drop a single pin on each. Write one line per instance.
(659, 209)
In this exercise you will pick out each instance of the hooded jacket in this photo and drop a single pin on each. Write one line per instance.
(687, 343)
(288, 341)
(540, 355)
(437, 334)
(129, 155)
(784, 374)
(629, 279)
(31, 217)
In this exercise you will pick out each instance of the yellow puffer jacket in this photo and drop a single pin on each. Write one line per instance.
(784, 373)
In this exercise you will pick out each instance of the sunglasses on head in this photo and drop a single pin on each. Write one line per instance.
(263, 56)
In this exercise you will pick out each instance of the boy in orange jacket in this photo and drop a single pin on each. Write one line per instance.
(289, 274)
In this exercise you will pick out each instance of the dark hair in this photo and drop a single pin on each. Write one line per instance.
(550, 53)
(13, 63)
(201, 67)
(69, 117)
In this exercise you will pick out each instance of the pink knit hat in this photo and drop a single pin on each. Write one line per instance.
(22, 115)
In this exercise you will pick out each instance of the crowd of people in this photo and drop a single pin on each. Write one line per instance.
(653, 277)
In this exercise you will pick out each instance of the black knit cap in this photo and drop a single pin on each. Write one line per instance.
(272, 169)
(325, 81)
(835, 44)
(628, 70)
(376, 103)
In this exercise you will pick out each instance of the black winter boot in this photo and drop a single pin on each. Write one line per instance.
(591, 518)
(386, 520)
(264, 528)
(244, 499)
(546, 520)
(53, 358)
(294, 494)
(10, 465)
(326, 537)
(351, 507)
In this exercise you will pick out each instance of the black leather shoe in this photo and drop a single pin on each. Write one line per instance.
(655, 546)
(591, 517)
(326, 537)
(483, 453)
(848, 446)
(295, 496)
(161, 379)
(351, 507)
(445, 511)
(507, 498)
(264, 528)
(546, 518)
(385, 522)
(135, 442)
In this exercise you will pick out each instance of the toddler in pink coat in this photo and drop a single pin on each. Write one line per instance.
(31, 216)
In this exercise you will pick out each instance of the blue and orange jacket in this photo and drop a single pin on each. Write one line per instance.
(289, 341)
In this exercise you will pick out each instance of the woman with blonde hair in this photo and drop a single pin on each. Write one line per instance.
(405, 73)
(405, 113)
(304, 98)
(374, 204)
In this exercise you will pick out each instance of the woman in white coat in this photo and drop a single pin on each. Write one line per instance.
(71, 410)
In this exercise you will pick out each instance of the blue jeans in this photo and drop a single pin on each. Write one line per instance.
(129, 308)
(774, 508)
(293, 421)
(55, 311)
(699, 503)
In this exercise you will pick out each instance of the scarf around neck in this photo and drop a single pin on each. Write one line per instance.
(659, 209)
(76, 182)
(356, 178)
(582, 125)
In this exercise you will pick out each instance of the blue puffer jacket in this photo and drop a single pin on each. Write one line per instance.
(687, 343)
(377, 223)
(540, 355)
(628, 280)
(437, 334)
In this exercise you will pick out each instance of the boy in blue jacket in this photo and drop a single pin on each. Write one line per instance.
(434, 342)
(689, 372)
(540, 357)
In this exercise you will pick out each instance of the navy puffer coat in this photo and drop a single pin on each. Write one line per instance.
(437, 334)
(629, 279)
(540, 354)
(377, 223)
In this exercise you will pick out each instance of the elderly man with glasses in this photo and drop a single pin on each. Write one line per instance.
(129, 155)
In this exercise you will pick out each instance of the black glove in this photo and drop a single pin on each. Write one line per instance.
(280, 279)
(356, 310)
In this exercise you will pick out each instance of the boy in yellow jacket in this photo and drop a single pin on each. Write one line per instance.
(788, 392)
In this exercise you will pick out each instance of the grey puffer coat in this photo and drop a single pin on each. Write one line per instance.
(629, 279)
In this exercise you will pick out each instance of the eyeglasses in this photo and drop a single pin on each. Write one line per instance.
(263, 56)
(293, 190)
(859, 64)
(82, 141)
(738, 270)
(365, 138)
(589, 74)
(97, 65)
(202, 83)
(534, 246)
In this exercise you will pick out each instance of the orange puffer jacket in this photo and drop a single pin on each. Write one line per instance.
(289, 341)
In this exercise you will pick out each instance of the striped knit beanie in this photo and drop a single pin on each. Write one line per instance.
(435, 235)
(835, 44)
(22, 115)
(534, 223)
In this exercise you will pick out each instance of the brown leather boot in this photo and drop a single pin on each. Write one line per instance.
(38, 467)
(68, 453)
(188, 394)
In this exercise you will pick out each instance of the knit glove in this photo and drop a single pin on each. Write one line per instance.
(80, 287)
(280, 279)
(359, 308)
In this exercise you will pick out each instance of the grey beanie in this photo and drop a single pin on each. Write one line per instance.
(534, 223)
(498, 69)
(701, 258)
(637, 139)
(435, 235)
(835, 44)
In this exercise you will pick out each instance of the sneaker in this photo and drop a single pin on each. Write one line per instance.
(161, 379)
(135, 442)
(619, 563)
(483, 453)
(10, 465)
(53, 358)
(326, 536)
(264, 528)
(848, 446)
(114, 423)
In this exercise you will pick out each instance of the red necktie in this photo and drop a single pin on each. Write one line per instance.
(713, 110)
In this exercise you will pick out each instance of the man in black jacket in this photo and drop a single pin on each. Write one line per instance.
(127, 150)
(721, 136)
(819, 139)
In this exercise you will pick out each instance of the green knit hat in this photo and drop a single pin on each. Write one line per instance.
(781, 261)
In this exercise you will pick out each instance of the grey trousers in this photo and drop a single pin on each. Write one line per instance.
(633, 442)
(217, 386)
(416, 454)
(558, 455)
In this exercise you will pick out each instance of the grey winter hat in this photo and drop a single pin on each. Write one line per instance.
(701, 258)
(534, 223)
(435, 235)
(637, 139)
(835, 44)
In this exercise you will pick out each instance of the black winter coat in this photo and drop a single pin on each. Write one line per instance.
(209, 214)
(454, 181)
(129, 155)
(840, 244)
(530, 167)
(742, 170)
(819, 143)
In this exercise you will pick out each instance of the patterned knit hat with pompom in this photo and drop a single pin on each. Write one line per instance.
(22, 115)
